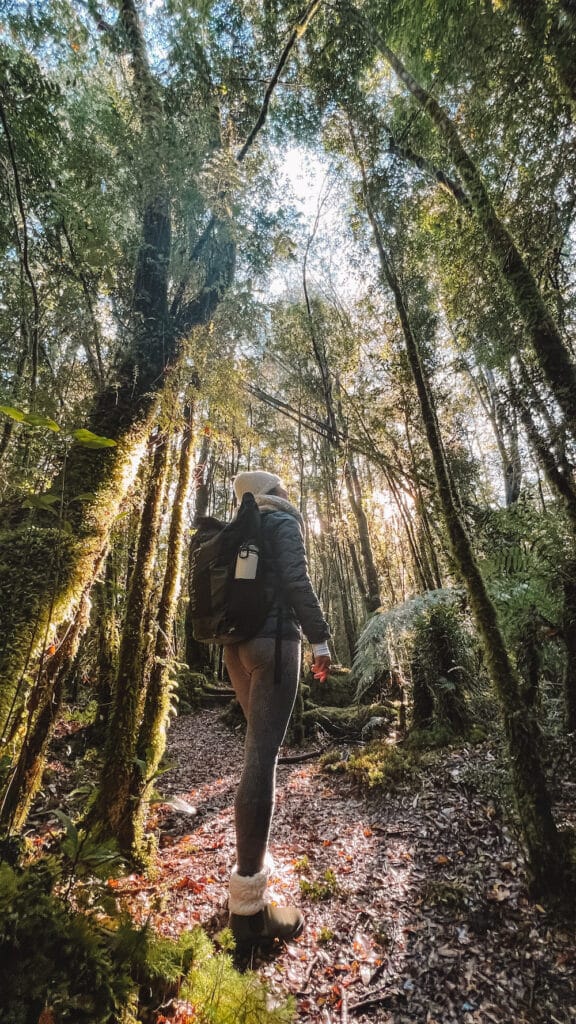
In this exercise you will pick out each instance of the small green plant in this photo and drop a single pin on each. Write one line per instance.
(90, 969)
(325, 936)
(80, 716)
(321, 888)
(82, 856)
(302, 864)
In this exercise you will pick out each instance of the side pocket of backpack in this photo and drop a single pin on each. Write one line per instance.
(219, 583)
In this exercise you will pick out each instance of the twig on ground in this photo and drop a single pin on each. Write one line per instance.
(296, 758)
(373, 1000)
(309, 972)
(344, 1009)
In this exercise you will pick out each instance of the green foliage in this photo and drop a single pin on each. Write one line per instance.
(387, 639)
(377, 766)
(337, 691)
(431, 640)
(221, 995)
(83, 856)
(348, 720)
(189, 687)
(321, 888)
(33, 419)
(50, 955)
(444, 665)
(90, 968)
(91, 440)
(519, 550)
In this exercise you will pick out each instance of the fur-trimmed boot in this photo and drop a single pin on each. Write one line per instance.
(255, 922)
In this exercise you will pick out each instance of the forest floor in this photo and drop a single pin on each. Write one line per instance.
(423, 916)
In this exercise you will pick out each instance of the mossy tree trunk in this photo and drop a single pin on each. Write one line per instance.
(343, 581)
(547, 856)
(45, 701)
(107, 816)
(551, 351)
(108, 642)
(152, 733)
(557, 471)
(43, 568)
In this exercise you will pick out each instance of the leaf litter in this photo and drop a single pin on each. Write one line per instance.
(416, 902)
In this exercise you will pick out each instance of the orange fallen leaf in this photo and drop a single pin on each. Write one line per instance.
(442, 859)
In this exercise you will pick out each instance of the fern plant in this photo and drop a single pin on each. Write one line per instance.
(431, 641)
(386, 642)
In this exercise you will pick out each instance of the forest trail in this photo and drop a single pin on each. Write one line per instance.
(427, 921)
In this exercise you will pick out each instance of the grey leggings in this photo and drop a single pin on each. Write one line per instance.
(267, 707)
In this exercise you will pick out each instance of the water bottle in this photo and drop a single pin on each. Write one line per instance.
(246, 562)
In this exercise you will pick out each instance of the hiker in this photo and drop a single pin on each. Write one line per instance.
(264, 673)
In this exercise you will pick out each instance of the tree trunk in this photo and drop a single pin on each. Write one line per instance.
(107, 816)
(569, 631)
(197, 654)
(346, 603)
(44, 568)
(25, 781)
(505, 427)
(547, 856)
(152, 735)
(560, 480)
(373, 599)
(108, 641)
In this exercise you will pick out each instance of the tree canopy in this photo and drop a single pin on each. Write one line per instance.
(335, 241)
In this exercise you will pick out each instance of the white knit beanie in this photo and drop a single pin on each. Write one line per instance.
(257, 482)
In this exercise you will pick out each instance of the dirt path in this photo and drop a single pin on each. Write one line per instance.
(425, 917)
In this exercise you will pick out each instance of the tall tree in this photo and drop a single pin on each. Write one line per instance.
(46, 567)
(549, 857)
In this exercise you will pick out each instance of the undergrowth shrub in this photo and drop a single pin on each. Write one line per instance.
(97, 967)
(444, 667)
(429, 641)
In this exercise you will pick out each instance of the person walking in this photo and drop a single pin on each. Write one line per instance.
(264, 673)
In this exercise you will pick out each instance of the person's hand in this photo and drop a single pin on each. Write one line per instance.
(321, 667)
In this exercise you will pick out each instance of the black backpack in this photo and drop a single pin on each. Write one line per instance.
(230, 596)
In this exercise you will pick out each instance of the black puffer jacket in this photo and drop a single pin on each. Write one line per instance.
(287, 572)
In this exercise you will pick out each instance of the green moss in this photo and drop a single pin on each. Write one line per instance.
(336, 692)
(45, 568)
(189, 689)
(379, 765)
(431, 739)
(321, 888)
(350, 719)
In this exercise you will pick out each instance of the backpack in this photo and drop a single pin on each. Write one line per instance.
(229, 596)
